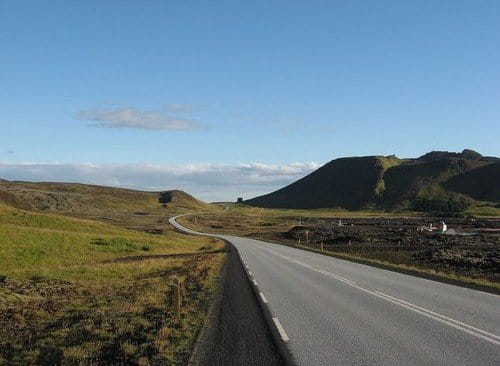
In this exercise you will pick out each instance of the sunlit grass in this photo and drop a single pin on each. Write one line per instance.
(67, 296)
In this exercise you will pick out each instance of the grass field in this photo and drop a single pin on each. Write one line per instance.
(81, 291)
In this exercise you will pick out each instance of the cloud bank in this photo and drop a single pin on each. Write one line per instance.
(137, 119)
(211, 182)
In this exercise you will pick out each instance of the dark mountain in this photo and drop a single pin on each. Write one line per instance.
(347, 182)
(439, 180)
(482, 183)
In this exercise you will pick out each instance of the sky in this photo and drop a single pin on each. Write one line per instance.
(237, 98)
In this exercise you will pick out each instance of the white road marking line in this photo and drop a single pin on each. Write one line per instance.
(337, 277)
(493, 338)
(250, 273)
(329, 274)
(469, 329)
(255, 283)
(263, 298)
(488, 293)
(281, 331)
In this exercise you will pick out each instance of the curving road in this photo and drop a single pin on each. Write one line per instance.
(330, 311)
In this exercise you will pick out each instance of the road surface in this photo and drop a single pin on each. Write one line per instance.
(335, 312)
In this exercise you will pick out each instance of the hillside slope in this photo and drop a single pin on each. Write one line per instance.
(98, 202)
(439, 180)
(482, 183)
(346, 182)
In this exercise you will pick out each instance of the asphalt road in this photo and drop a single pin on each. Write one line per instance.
(335, 312)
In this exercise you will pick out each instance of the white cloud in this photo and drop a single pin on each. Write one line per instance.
(211, 182)
(178, 108)
(135, 118)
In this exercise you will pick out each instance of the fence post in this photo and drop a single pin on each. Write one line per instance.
(177, 301)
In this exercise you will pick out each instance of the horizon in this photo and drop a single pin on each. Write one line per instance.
(226, 100)
(281, 177)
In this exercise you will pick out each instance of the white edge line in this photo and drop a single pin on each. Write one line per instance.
(263, 297)
(249, 273)
(281, 331)
(255, 283)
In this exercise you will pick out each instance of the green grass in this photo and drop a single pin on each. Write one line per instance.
(44, 243)
(484, 211)
(67, 296)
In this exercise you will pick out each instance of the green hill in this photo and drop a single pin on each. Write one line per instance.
(346, 182)
(482, 183)
(120, 206)
(437, 181)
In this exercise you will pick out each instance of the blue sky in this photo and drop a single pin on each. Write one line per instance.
(231, 85)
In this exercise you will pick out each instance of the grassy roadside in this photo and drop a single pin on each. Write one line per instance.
(69, 296)
(270, 225)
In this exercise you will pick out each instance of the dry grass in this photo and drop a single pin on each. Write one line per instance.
(120, 207)
(67, 297)
(119, 313)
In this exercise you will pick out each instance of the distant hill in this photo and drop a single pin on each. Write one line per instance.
(82, 200)
(439, 180)
(346, 182)
(181, 199)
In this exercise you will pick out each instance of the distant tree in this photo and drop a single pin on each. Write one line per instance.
(240, 200)
(165, 197)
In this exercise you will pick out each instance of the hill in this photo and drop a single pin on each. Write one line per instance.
(346, 182)
(475, 183)
(124, 207)
(436, 181)
(182, 200)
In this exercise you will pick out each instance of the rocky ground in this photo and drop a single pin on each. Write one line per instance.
(469, 247)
